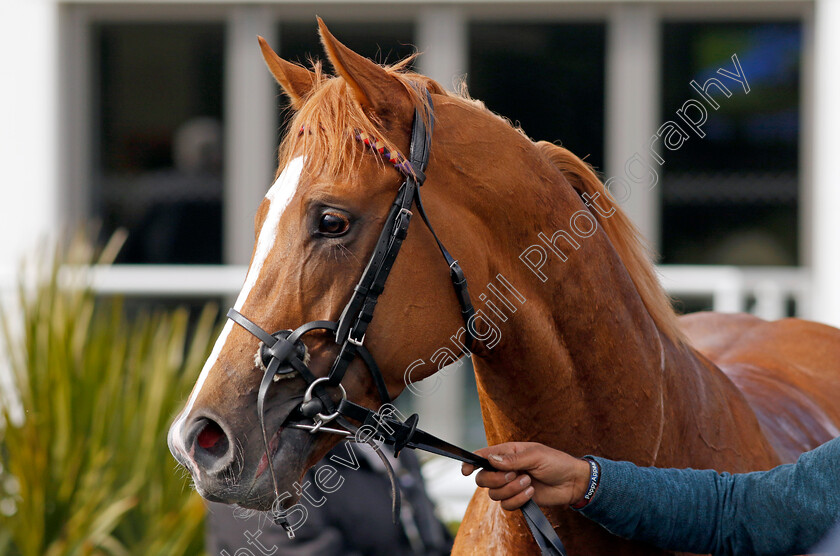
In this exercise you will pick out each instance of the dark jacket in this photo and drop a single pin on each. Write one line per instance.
(354, 520)
(785, 510)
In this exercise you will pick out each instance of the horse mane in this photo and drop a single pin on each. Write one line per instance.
(324, 128)
(625, 237)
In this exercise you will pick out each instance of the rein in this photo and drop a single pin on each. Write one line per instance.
(283, 352)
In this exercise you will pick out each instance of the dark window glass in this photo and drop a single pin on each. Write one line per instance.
(731, 197)
(547, 78)
(158, 154)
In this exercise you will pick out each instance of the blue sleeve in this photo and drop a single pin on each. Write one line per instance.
(785, 510)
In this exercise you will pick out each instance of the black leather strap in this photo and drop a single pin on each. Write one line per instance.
(246, 323)
(358, 313)
(541, 530)
(456, 275)
(406, 435)
(378, 379)
(268, 377)
(352, 311)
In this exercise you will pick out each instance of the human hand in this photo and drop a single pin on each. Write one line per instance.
(530, 470)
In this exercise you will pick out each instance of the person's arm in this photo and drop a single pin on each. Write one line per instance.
(782, 511)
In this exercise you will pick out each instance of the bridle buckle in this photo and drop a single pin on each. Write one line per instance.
(404, 212)
(354, 341)
(401, 223)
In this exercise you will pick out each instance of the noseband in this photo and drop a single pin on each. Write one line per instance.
(284, 352)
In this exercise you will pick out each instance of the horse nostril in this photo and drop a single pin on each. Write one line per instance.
(211, 436)
(210, 442)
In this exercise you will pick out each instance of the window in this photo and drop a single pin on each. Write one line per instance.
(158, 151)
(731, 197)
(547, 78)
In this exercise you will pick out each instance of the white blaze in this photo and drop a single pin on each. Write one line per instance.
(278, 196)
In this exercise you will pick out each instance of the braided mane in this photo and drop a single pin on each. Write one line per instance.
(330, 109)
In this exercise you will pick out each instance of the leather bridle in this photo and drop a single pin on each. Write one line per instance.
(284, 352)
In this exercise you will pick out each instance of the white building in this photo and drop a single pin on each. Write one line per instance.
(117, 111)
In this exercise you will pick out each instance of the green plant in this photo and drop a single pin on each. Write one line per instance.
(86, 469)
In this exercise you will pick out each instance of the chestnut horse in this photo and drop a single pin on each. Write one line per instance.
(593, 360)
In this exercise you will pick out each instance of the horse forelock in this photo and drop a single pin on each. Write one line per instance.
(325, 127)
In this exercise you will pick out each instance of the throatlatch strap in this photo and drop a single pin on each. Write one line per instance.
(456, 275)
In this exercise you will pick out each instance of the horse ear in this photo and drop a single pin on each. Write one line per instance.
(296, 80)
(372, 86)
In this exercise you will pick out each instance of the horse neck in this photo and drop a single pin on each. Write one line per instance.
(580, 364)
(578, 358)
(583, 367)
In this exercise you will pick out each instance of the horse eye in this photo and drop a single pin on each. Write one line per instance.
(333, 224)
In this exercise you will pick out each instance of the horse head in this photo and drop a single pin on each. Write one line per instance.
(315, 230)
